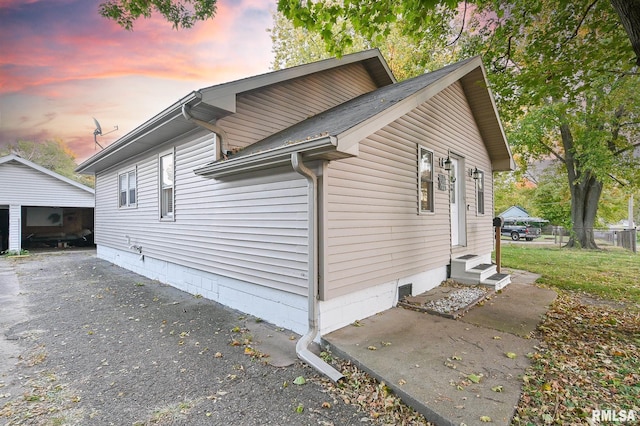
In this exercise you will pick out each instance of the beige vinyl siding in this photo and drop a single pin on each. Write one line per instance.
(373, 231)
(23, 185)
(252, 229)
(269, 110)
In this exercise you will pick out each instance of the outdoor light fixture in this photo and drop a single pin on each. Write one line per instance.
(475, 173)
(447, 164)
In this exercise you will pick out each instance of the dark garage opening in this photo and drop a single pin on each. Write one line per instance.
(57, 227)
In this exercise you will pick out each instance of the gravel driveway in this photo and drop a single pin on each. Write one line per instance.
(100, 345)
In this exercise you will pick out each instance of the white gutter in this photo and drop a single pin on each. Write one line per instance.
(220, 133)
(277, 156)
(302, 347)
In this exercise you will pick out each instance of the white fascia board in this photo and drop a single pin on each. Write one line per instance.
(353, 135)
(46, 171)
(489, 93)
(167, 115)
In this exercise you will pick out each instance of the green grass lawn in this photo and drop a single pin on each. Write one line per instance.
(610, 274)
(588, 353)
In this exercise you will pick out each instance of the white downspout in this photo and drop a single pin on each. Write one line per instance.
(302, 347)
(221, 135)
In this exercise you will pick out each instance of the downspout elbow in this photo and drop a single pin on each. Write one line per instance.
(219, 132)
(302, 347)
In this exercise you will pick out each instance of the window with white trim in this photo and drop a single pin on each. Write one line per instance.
(480, 192)
(167, 195)
(425, 172)
(127, 189)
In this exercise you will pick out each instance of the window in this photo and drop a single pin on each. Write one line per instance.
(480, 191)
(127, 189)
(425, 170)
(166, 186)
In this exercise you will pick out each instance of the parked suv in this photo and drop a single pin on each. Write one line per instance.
(517, 228)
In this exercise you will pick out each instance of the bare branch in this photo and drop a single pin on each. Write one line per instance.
(464, 18)
(584, 16)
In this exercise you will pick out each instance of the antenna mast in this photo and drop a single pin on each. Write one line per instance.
(98, 131)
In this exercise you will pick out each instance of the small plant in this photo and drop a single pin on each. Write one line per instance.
(21, 252)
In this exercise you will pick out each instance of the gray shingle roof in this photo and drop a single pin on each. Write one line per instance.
(349, 114)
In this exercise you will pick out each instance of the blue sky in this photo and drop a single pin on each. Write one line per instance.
(62, 64)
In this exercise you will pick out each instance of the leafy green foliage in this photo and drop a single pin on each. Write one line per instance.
(562, 73)
(181, 13)
(53, 155)
(294, 45)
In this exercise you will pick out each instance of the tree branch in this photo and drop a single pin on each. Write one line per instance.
(553, 152)
(464, 18)
(584, 16)
(628, 148)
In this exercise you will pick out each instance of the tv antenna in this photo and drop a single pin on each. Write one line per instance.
(98, 132)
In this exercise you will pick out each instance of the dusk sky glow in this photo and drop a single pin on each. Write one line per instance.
(61, 64)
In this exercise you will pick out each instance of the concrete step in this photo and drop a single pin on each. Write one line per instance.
(476, 274)
(470, 269)
(497, 281)
(461, 264)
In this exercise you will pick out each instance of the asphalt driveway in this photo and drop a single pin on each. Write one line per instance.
(86, 342)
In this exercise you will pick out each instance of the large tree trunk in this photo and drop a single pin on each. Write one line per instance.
(629, 13)
(585, 195)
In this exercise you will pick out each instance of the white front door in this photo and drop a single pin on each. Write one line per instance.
(457, 204)
(456, 208)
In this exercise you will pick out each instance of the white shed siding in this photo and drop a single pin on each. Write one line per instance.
(269, 110)
(23, 185)
(252, 229)
(374, 233)
(15, 228)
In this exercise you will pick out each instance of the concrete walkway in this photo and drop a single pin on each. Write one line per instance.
(433, 363)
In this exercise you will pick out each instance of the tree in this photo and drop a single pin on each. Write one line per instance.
(181, 13)
(561, 71)
(371, 18)
(53, 155)
(297, 45)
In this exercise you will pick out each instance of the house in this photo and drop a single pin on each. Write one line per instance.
(308, 196)
(39, 206)
(514, 211)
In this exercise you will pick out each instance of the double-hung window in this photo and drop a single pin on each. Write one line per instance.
(167, 195)
(425, 172)
(127, 189)
(480, 191)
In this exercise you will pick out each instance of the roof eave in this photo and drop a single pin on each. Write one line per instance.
(13, 157)
(316, 149)
(169, 114)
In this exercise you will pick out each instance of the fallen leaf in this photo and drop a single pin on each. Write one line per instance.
(475, 378)
(485, 419)
(372, 348)
(497, 388)
(511, 355)
(299, 381)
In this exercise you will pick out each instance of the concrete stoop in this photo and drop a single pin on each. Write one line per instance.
(470, 269)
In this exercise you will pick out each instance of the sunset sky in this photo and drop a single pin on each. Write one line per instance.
(62, 64)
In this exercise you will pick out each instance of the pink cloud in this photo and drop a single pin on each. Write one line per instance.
(61, 64)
